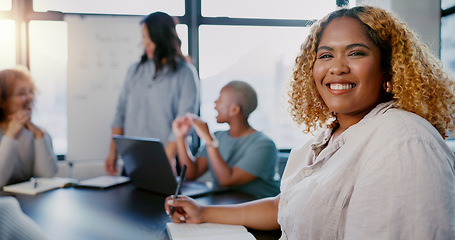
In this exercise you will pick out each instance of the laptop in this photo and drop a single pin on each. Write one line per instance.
(147, 166)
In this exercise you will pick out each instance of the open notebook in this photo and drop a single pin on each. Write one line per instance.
(207, 231)
(41, 185)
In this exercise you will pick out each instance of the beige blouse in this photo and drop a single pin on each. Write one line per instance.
(390, 176)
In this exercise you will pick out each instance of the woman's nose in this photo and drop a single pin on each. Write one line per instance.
(339, 66)
(29, 97)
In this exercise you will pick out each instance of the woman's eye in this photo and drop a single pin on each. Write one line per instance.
(322, 56)
(357, 54)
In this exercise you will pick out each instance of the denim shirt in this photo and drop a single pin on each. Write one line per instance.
(146, 107)
(390, 176)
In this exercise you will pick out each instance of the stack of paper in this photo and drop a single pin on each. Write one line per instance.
(207, 231)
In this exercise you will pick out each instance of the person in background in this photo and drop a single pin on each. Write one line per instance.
(25, 149)
(241, 157)
(14, 224)
(157, 89)
(379, 168)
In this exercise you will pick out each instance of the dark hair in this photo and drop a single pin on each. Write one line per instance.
(161, 29)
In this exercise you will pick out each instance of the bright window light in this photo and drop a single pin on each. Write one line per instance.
(7, 44)
(5, 5)
(263, 57)
(134, 7)
(48, 65)
(289, 9)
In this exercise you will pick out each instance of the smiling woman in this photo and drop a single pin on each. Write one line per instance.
(347, 71)
(379, 168)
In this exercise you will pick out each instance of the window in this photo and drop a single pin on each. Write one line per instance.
(5, 5)
(132, 7)
(448, 42)
(290, 9)
(447, 3)
(261, 56)
(48, 65)
(448, 37)
(7, 43)
(255, 51)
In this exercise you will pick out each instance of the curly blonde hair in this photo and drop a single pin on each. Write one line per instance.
(420, 85)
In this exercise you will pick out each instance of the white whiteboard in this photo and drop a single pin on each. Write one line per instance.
(100, 50)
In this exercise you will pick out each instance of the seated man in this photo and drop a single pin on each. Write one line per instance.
(240, 157)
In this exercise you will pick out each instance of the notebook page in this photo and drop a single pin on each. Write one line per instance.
(210, 230)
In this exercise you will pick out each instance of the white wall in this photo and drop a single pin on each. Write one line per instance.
(423, 16)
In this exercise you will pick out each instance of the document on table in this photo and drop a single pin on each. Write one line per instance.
(39, 185)
(207, 231)
(103, 181)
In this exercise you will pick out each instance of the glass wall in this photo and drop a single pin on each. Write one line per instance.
(48, 64)
(133, 7)
(7, 43)
(289, 9)
(261, 56)
(5, 5)
(448, 37)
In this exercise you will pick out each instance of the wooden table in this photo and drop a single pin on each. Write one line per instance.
(121, 212)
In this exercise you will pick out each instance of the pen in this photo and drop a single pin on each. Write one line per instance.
(34, 182)
(179, 185)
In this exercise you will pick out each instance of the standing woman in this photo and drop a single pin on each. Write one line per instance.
(157, 89)
(25, 149)
(379, 168)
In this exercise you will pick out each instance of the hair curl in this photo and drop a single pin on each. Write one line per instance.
(420, 85)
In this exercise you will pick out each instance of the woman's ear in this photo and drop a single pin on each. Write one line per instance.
(235, 109)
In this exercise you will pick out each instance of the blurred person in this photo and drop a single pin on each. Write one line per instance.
(25, 149)
(157, 89)
(241, 158)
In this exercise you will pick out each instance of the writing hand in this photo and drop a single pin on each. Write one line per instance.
(186, 209)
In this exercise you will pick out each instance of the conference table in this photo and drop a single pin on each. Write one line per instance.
(120, 212)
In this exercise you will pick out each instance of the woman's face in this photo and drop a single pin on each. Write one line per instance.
(21, 98)
(223, 105)
(149, 46)
(347, 70)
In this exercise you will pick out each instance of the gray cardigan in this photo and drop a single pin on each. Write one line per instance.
(26, 157)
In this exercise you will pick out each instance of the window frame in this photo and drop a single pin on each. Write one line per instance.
(22, 13)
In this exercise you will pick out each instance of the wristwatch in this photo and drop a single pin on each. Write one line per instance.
(215, 143)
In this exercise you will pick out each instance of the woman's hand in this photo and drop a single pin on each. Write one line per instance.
(181, 126)
(186, 209)
(37, 132)
(201, 127)
(17, 122)
(110, 164)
